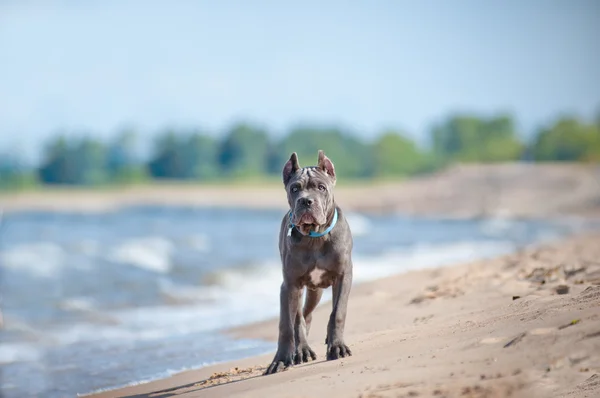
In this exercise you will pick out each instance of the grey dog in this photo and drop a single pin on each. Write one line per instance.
(315, 244)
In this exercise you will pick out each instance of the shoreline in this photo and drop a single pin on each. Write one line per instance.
(438, 311)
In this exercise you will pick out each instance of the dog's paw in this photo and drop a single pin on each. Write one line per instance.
(338, 350)
(279, 364)
(304, 354)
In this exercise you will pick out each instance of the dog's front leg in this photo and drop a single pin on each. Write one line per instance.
(336, 348)
(303, 351)
(289, 305)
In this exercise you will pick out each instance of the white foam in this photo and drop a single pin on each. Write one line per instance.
(16, 325)
(359, 224)
(425, 256)
(185, 294)
(162, 322)
(77, 304)
(247, 276)
(149, 253)
(88, 247)
(87, 332)
(41, 259)
(18, 352)
(199, 243)
(497, 226)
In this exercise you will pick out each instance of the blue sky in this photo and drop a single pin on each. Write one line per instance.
(98, 65)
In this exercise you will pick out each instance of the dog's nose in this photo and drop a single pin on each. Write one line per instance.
(306, 201)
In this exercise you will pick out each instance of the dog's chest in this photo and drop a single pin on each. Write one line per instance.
(316, 275)
(319, 277)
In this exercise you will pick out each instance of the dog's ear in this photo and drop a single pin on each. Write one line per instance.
(290, 168)
(326, 165)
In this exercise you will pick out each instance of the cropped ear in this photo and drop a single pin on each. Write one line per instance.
(290, 168)
(326, 165)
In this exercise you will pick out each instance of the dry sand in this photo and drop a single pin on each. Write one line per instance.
(522, 325)
(513, 190)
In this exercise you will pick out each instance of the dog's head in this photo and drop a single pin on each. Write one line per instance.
(310, 192)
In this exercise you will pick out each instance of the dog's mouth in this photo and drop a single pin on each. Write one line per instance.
(307, 223)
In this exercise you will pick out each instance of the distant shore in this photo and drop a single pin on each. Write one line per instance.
(521, 325)
(499, 190)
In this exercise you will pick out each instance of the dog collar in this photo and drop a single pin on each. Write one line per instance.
(314, 234)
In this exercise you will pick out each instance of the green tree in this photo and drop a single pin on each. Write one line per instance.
(244, 151)
(473, 139)
(501, 142)
(90, 160)
(14, 174)
(396, 155)
(57, 167)
(568, 139)
(165, 162)
(177, 155)
(352, 157)
(76, 161)
(123, 165)
(200, 154)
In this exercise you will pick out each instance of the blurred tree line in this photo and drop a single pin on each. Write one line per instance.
(250, 151)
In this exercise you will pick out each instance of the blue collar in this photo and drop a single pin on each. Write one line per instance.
(314, 234)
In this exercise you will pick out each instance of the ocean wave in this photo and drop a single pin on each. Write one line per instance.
(18, 352)
(77, 304)
(423, 256)
(239, 295)
(148, 253)
(499, 226)
(173, 293)
(40, 259)
(87, 247)
(162, 322)
(359, 224)
(198, 242)
(239, 275)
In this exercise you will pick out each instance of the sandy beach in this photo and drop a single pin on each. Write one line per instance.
(521, 325)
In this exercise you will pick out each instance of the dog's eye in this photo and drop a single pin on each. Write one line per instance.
(321, 187)
(295, 189)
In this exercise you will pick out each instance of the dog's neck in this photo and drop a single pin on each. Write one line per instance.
(332, 219)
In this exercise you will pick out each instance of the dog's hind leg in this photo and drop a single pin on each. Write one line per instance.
(313, 296)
